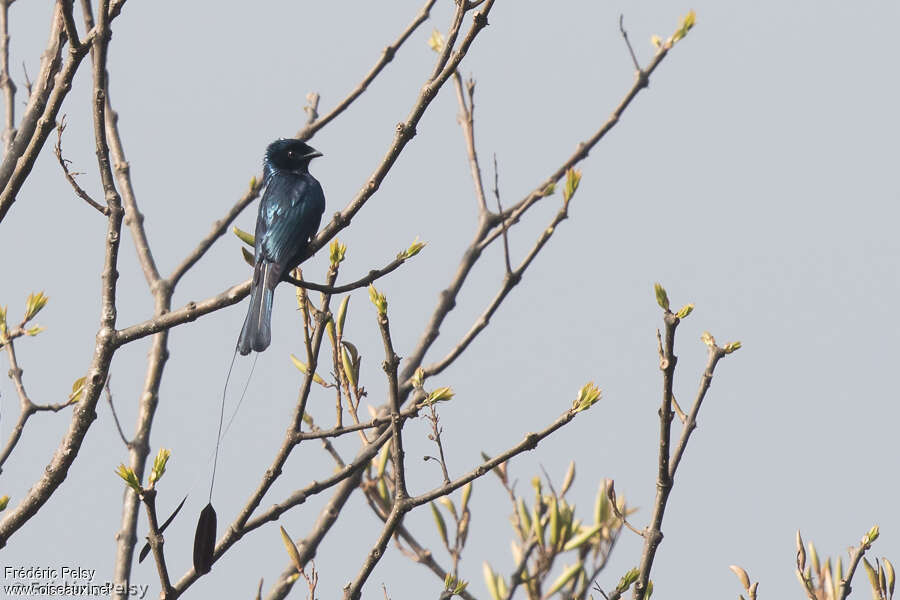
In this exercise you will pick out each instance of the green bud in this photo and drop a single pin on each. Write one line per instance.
(129, 477)
(872, 535)
(336, 252)
(159, 465)
(414, 249)
(418, 378)
(685, 311)
(587, 396)
(731, 347)
(436, 41)
(441, 394)
(627, 580)
(573, 178)
(378, 300)
(34, 304)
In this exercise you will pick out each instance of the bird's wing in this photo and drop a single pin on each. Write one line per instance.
(289, 215)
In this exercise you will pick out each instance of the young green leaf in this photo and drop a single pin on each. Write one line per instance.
(247, 238)
(301, 366)
(34, 304)
(662, 298)
(439, 521)
(159, 465)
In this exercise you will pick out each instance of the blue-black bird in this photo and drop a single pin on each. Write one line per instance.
(289, 215)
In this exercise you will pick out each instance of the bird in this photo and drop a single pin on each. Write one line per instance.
(289, 215)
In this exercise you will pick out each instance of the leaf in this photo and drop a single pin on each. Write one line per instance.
(436, 41)
(414, 249)
(564, 578)
(336, 252)
(568, 479)
(146, 549)
(291, 549)
(248, 256)
(466, 494)
(491, 581)
(378, 300)
(159, 465)
(205, 540)
(579, 540)
(77, 390)
(301, 366)
(662, 298)
(441, 394)
(685, 310)
(130, 478)
(524, 518)
(4, 502)
(439, 521)
(342, 315)
(573, 178)
(587, 396)
(247, 238)
(741, 575)
(34, 304)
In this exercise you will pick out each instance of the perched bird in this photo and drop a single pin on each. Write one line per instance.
(289, 215)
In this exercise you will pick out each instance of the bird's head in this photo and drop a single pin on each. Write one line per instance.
(289, 155)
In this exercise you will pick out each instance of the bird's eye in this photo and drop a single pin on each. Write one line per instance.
(291, 154)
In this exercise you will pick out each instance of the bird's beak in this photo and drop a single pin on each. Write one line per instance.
(313, 154)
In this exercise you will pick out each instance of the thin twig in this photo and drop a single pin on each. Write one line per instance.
(353, 591)
(502, 221)
(467, 123)
(435, 436)
(70, 176)
(112, 408)
(637, 65)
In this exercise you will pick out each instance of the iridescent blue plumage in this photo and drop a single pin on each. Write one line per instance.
(289, 215)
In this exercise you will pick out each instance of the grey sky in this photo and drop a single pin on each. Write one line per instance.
(757, 177)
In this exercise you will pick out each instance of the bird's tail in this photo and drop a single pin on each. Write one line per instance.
(257, 331)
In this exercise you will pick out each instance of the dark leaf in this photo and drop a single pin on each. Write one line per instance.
(146, 549)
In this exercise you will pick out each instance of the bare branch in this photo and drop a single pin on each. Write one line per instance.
(112, 408)
(155, 538)
(84, 413)
(6, 82)
(467, 122)
(70, 177)
(502, 221)
(387, 55)
(637, 65)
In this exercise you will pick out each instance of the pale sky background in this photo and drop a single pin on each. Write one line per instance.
(757, 177)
